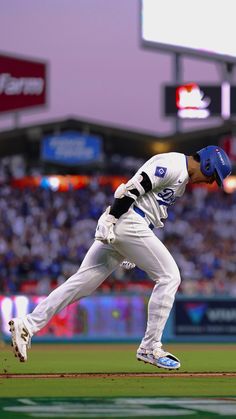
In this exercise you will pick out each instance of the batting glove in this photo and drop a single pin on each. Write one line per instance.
(127, 265)
(105, 227)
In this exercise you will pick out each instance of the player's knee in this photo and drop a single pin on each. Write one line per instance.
(171, 279)
(177, 278)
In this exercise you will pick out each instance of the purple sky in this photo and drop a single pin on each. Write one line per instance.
(98, 70)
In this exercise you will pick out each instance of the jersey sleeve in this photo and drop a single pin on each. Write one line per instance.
(161, 171)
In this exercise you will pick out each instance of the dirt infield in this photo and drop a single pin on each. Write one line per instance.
(123, 375)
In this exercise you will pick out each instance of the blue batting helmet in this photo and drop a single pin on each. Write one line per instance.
(214, 161)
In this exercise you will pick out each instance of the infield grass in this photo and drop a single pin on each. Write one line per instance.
(117, 358)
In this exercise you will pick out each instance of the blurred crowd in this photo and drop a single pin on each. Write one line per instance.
(44, 236)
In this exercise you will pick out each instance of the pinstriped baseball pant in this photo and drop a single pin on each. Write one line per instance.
(136, 243)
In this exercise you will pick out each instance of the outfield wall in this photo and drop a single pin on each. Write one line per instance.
(122, 318)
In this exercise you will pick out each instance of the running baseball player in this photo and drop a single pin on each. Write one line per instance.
(125, 231)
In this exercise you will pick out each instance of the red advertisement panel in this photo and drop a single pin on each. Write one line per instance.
(22, 83)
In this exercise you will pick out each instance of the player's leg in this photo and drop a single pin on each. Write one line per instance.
(142, 247)
(159, 307)
(98, 263)
(162, 297)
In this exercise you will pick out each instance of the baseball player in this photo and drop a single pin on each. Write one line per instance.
(125, 231)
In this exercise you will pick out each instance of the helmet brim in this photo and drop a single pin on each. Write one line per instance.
(219, 179)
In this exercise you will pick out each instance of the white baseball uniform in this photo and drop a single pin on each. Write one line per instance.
(136, 242)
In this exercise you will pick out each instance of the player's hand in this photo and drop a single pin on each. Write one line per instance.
(127, 265)
(105, 227)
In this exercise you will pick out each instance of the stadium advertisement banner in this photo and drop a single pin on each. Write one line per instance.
(22, 83)
(71, 148)
(110, 317)
(204, 317)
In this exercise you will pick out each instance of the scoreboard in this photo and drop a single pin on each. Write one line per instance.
(199, 101)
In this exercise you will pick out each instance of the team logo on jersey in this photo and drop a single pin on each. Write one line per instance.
(167, 196)
(160, 171)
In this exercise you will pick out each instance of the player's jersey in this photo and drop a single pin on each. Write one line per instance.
(169, 175)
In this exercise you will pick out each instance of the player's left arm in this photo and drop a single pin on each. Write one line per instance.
(126, 194)
(156, 173)
(153, 174)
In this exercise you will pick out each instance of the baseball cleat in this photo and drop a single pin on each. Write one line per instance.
(159, 358)
(20, 339)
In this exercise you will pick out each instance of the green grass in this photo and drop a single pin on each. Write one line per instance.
(110, 358)
(119, 387)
